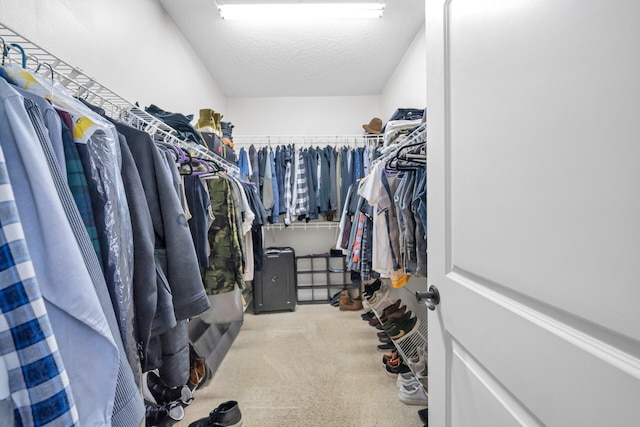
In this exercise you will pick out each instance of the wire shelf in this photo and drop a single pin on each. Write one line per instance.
(307, 140)
(81, 85)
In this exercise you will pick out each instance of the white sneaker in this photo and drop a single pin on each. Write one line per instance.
(413, 394)
(405, 379)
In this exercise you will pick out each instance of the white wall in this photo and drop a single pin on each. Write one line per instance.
(407, 86)
(131, 47)
(333, 115)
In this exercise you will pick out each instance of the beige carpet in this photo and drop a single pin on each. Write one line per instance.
(315, 367)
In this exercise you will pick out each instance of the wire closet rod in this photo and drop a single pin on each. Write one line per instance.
(81, 85)
(307, 140)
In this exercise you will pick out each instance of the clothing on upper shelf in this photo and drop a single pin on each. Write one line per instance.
(180, 123)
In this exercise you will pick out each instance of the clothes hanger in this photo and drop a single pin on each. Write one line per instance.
(7, 50)
(4, 49)
(211, 167)
(60, 98)
(3, 72)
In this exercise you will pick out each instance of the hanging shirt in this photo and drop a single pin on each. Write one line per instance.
(23, 311)
(275, 214)
(225, 260)
(57, 259)
(301, 194)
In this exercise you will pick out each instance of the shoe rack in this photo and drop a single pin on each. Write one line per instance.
(419, 338)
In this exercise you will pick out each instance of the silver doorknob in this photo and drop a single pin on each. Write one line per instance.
(431, 298)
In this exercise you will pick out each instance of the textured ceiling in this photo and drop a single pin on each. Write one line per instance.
(289, 58)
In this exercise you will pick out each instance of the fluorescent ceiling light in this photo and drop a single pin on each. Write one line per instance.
(302, 11)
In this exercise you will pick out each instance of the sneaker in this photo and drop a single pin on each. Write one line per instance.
(226, 415)
(406, 329)
(413, 394)
(406, 378)
(389, 356)
(391, 327)
(393, 371)
(418, 367)
(162, 415)
(155, 391)
(394, 362)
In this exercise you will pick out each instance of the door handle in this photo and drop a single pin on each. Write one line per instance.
(431, 298)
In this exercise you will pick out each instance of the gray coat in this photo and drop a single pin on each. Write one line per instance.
(175, 256)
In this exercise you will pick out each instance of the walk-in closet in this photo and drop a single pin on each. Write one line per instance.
(211, 225)
(319, 213)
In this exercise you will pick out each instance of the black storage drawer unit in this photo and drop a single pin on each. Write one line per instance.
(274, 286)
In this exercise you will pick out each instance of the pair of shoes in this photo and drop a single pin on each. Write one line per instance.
(347, 303)
(394, 361)
(400, 368)
(379, 297)
(393, 315)
(390, 346)
(384, 339)
(155, 391)
(197, 371)
(392, 307)
(368, 315)
(413, 394)
(418, 364)
(371, 288)
(227, 414)
(410, 390)
(162, 415)
(335, 299)
(403, 327)
(227, 130)
(389, 356)
(373, 291)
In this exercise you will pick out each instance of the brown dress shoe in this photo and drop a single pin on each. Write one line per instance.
(350, 305)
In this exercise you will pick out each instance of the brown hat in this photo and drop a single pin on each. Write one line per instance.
(374, 126)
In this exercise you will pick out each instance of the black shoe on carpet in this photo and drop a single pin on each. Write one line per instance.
(226, 415)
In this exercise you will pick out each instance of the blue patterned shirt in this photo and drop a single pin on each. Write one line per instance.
(38, 382)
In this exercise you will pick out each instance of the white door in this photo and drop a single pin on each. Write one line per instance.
(534, 212)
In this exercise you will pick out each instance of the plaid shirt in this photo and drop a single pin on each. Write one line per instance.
(38, 381)
(287, 193)
(301, 202)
